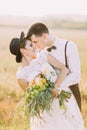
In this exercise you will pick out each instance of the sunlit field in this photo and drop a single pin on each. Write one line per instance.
(10, 92)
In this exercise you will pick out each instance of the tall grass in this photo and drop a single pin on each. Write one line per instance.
(10, 92)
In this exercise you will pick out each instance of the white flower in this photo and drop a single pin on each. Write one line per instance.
(49, 72)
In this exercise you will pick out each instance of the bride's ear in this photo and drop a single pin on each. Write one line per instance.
(22, 51)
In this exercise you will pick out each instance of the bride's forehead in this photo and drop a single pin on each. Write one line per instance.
(28, 42)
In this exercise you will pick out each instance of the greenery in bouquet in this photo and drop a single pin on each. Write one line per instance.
(63, 97)
(39, 95)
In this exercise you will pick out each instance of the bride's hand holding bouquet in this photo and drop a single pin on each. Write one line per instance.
(41, 92)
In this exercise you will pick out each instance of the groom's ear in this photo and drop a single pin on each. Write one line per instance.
(44, 35)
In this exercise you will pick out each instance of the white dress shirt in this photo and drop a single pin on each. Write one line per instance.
(72, 59)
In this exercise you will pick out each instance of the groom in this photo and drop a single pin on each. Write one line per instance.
(65, 51)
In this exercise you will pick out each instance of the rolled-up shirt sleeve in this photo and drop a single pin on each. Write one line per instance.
(73, 64)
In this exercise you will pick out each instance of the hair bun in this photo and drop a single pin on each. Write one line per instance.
(22, 36)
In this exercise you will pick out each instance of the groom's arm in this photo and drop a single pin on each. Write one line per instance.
(74, 66)
(63, 71)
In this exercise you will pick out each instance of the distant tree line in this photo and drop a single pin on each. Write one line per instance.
(65, 24)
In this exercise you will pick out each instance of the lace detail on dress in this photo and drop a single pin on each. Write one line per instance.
(23, 73)
(29, 72)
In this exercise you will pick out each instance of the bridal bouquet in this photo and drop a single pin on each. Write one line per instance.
(39, 95)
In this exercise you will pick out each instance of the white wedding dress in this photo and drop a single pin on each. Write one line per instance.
(58, 119)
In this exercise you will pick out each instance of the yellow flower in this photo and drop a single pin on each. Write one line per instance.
(43, 80)
(32, 83)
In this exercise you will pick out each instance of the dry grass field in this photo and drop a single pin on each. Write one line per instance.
(10, 92)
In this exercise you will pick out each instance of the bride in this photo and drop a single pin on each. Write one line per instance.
(31, 65)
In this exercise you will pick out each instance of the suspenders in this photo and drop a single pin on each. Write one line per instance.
(65, 54)
(74, 88)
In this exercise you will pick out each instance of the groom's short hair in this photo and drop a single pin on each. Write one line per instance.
(37, 29)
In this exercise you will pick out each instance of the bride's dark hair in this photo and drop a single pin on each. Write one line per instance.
(23, 40)
(16, 44)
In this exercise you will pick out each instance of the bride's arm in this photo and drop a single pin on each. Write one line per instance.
(22, 83)
(63, 71)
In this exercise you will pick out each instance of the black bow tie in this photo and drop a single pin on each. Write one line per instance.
(50, 48)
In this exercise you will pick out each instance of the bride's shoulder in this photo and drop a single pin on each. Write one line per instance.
(23, 72)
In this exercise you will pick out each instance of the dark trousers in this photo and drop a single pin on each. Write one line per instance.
(76, 92)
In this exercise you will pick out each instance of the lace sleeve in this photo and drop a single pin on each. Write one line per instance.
(29, 72)
(23, 73)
